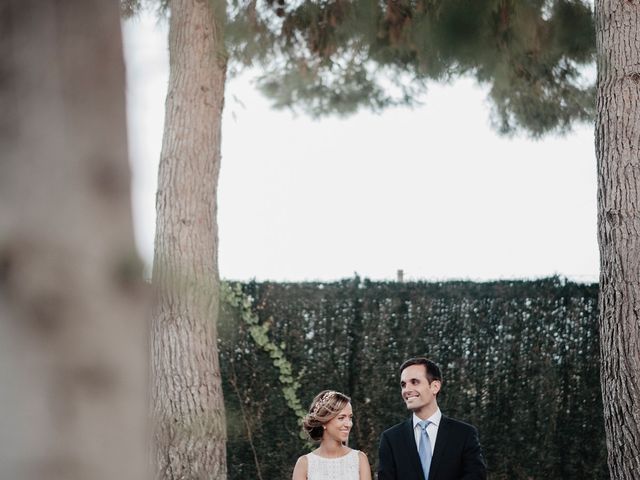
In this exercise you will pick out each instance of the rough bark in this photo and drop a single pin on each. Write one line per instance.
(190, 436)
(73, 341)
(617, 152)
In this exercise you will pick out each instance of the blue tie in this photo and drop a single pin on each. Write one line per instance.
(424, 450)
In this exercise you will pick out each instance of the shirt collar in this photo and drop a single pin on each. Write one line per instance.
(435, 418)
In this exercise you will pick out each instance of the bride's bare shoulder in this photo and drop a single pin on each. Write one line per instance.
(300, 470)
(364, 467)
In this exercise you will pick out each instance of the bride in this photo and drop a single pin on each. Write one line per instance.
(329, 422)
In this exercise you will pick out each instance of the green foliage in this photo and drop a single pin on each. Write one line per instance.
(259, 332)
(129, 8)
(336, 56)
(520, 361)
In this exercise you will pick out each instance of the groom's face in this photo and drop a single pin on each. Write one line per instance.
(417, 393)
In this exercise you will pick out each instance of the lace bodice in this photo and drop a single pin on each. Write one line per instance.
(341, 468)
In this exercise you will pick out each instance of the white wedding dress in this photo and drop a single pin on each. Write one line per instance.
(341, 468)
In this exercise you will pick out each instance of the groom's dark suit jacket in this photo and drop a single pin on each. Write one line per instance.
(456, 456)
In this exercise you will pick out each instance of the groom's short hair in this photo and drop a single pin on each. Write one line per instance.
(433, 370)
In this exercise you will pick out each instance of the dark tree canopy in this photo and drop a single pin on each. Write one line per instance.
(336, 56)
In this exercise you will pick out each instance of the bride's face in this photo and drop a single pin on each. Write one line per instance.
(338, 428)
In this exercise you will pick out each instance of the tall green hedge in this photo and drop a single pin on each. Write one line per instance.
(519, 359)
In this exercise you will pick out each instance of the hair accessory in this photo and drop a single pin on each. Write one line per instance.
(324, 400)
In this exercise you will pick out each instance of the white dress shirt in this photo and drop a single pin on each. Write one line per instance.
(432, 428)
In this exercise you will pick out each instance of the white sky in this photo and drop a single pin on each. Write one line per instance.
(432, 191)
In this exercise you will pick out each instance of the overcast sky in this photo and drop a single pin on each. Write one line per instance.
(433, 191)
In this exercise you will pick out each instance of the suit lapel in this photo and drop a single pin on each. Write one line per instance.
(410, 444)
(444, 434)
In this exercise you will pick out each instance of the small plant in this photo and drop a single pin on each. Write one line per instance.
(234, 296)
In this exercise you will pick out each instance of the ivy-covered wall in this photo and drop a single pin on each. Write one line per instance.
(519, 359)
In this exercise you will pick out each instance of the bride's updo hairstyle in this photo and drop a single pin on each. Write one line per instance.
(325, 407)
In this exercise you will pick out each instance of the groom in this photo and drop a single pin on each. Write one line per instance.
(429, 445)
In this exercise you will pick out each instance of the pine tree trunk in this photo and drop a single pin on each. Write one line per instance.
(190, 437)
(73, 319)
(618, 156)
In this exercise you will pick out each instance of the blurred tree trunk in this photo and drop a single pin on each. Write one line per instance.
(617, 151)
(190, 436)
(73, 328)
